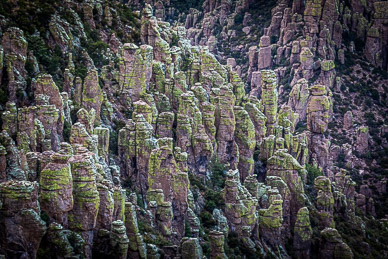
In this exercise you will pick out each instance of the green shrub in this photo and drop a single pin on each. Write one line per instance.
(56, 61)
(312, 173)
(196, 182)
(186, 63)
(217, 173)
(301, 126)
(188, 232)
(3, 95)
(238, 19)
(236, 247)
(341, 159)
(30, 16)
(214, 200)
(174, 40)
(66, 131)
(206, 219)
(375, 94)
(184, 5)
(95, 50)
(41, 52)
(80, 71)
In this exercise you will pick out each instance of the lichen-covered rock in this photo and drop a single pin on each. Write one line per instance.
(164, 174)
(278, 186)
(141, 119)
(21, 227)
(287, 120)
(302, 233)
(325, 201)
(127, 150)
(212, 74)
(15, 56)
(64, 242)
(319, 108)
(327, 65)
(264, 58)
(81, 132)
(269, 99)
(43, 136)
(245, 140)
(137, 247)
(190, 248)
(103, 142)
(227, 148)
(82, 218)
(238, 86)
(135, 145)
(87, 10)
(153, 252)
(298, 98)
(56, 188)
(193, 222)
(348, 120)
(258, 119)
(141, 107)
(286, 167)
(105, 211)
(60, 31)
(14, 164)
(45, 85)
(91, 93)
(10, 118)
(332, 245)
(222, 222)
(161, 210)
(145, 143)
(119, 196)
(240, 206)
(271, 217)
(165, 123)
(135, 70)
(119, 240)
(217, 240)
(362, 142)
(191, 133)
(306, 58)
(299, 148)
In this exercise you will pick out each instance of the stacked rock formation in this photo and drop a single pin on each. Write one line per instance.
(319, 108)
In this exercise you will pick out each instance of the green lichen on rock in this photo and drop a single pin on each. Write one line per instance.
(190, 248)
(119, 240)
(246, 141)
(333, 246)
(302, 225)
(269, 98)
(56, 183)
(324, 201)
(273, 216)
(327, 65)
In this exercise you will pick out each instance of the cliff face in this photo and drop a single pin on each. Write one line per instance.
(195, 129)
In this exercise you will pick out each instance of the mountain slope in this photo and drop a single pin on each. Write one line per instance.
(191, 129)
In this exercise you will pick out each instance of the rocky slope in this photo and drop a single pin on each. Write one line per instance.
(193, 129)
